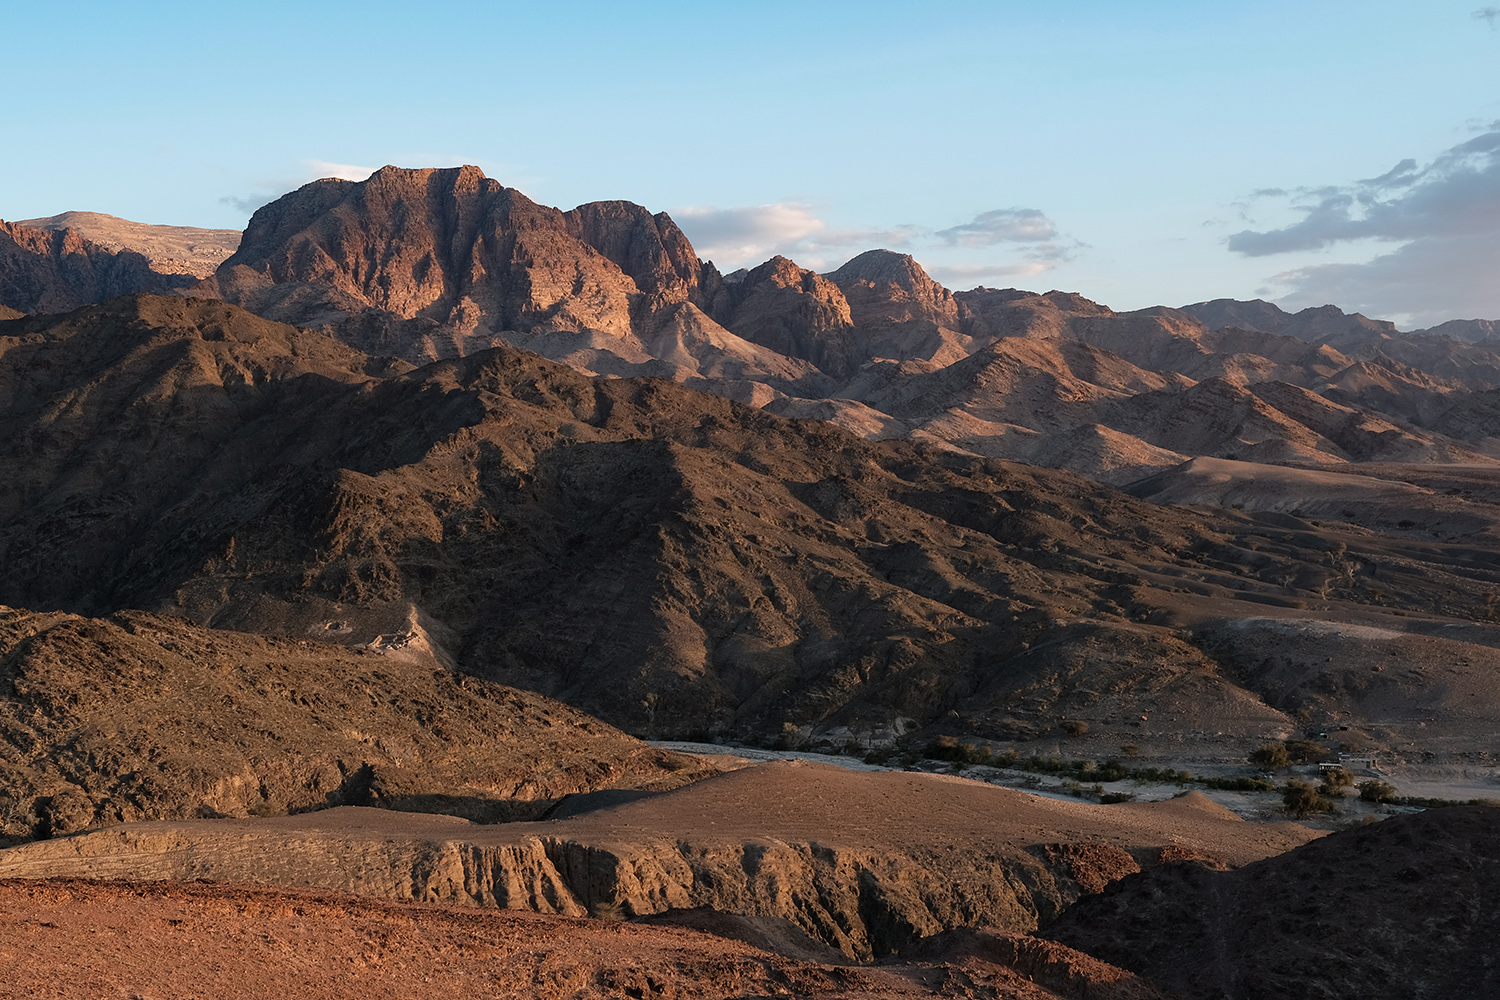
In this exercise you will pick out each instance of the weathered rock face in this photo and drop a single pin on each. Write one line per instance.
(649, 248)
(885, 287)
(427, 264)
(138, 717)
(45, 271)
(791, 310)
(448, 246)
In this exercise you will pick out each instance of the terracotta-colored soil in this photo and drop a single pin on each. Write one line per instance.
(154, 941)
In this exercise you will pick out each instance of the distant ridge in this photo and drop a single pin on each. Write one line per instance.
(170, 249)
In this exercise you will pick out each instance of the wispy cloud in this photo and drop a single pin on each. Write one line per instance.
(1445, 216)
(1490, 14)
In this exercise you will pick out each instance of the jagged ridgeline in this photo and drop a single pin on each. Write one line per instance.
(675, 562)
(440, 263)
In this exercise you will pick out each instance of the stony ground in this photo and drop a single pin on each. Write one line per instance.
(155, 941)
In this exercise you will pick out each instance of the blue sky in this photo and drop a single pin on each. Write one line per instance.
(1140, 153)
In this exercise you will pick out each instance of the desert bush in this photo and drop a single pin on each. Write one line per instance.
(1305, 751)
(1375, 790)
(1301, 799)
(1335, 780)
(1075, 727)
(1110, 798)
(1130, 749)
(1240, 784)
(1271, 756)
(950, 749)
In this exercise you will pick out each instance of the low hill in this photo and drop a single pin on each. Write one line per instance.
(137, 717)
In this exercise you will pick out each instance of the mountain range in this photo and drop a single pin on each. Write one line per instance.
(425, 265)
(420, 495)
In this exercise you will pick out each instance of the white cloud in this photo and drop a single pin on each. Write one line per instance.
(736, 236)
(1420, 284)
(1457, 194)
(1445, 216)
(343, 171)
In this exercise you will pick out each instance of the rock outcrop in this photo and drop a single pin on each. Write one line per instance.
(52, 271)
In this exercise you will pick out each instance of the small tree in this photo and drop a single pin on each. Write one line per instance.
(1305, 751)
(1335, 780)
(1301, 799)
(1270, 756)
(1376, 790)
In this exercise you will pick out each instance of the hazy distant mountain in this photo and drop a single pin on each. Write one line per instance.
(170, 249)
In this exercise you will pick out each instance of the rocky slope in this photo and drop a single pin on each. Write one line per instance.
(1401, 908)
(169, 249)
(673, 561)
(867, 863)
(136, 717)
(49, 271)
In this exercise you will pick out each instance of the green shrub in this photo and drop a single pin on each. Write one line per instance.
(950, 749)
(1305, 751)
(1271, 756)
(1335, 780)
(1375, 790)
(1301, 799)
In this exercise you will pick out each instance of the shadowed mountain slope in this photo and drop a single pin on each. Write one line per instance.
(1403, 908)
(673, 561)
